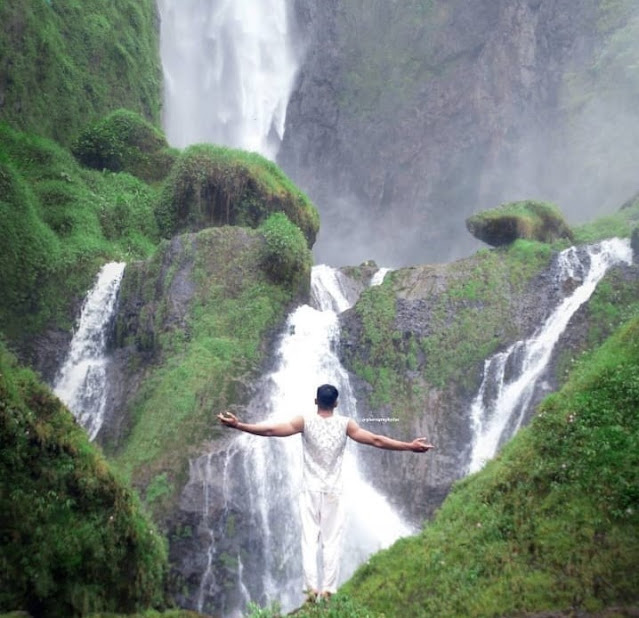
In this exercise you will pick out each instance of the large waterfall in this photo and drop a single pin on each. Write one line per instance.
(81, 383)
(271, 467)
(229, 67)
(510, 377)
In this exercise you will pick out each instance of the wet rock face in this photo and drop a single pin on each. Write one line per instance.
(415, 125)
(154, 297)
(417, 483)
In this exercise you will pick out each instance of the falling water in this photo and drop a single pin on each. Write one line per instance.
(272, 467)
(81, 382)
(379, 276)
(510, 377)
(228, 72)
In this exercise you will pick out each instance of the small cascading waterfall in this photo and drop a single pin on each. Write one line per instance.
(81, 383)
(271, 467)
(379, 276)
(510, 377)
(229, 67)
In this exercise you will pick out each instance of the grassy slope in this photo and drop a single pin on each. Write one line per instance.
(469, 321)
(552, 523)
(66, 63)
(72, 536)
(60, 223)
(470, 317)
(203, 363)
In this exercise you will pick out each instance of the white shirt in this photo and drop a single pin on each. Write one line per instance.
(324, 440)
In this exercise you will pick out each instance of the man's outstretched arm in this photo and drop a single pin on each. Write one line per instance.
(270, 429)
(363, 436)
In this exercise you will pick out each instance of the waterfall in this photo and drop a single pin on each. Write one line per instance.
(510, 377)
(81, 383)
(228, 70)
(379, 276)
(272, 467)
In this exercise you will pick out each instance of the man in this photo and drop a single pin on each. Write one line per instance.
(324, 440)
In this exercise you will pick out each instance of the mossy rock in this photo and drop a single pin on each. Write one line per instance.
(529, 219)
(634, 243)
(211, 186)
(285, 256)
(73, 537)
(125, 142)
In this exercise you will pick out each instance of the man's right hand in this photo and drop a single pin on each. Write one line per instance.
(228, 419)
(420, 445)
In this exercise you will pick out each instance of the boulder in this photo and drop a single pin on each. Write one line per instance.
(530, 219)
(124, 141)
(211, 186)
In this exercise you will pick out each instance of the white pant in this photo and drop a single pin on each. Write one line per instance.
(322, 516)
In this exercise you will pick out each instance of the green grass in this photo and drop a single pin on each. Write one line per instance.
(214, 185)
(620, 223)
(201, 364)
(124, 141)
(530, 219)
(61, 222)
(469, 319)
(551, 524)
(67, 63)
(73, 538)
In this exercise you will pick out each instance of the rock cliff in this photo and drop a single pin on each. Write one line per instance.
(405, 121)
(418, 343)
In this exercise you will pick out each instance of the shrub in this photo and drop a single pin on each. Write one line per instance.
(125, 142)
(285, 257)
(211, 186)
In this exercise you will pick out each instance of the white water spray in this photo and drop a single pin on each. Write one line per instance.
(228, 69)
(379, 276)
(81, 383)
(510, 377)
(273, 467)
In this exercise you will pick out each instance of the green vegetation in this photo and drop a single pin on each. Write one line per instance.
(620, 223)
(203, 358)
(212, 186)
(387, 55)
(338, 606)
(551, 524)
(285, 256)
(66, 63)
(60, 223)
(177, 613)
(125, 142)
(73, 539)
(529, 219)
(469, 319)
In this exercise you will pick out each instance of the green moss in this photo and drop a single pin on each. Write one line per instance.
(125, 142)
(529, 220)
(620, 224)
(285, 256)
(61, 222)
(551, 524)
(469, 319)
(213, 185)
(388, 55)
(66, 63)
(73, 539)
(202, 362)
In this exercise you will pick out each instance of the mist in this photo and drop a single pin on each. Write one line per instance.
(538, 102)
